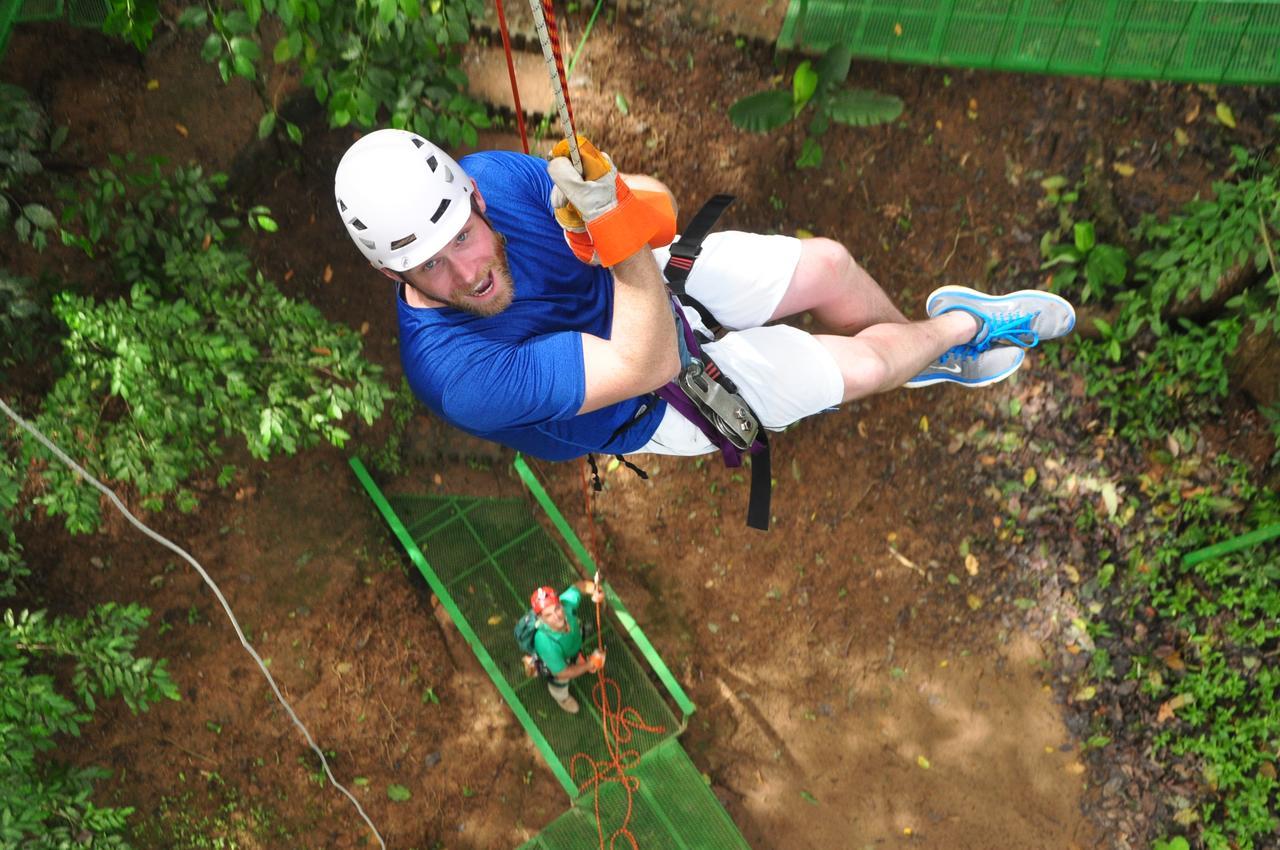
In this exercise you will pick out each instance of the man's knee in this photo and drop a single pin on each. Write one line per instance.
(825, 260)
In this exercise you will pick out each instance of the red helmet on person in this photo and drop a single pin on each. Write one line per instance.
(543, 598)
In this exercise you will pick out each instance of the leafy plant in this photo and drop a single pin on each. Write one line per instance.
(203, 347)
(48, 804)
(1159, 356)
(24, 135)
(1096, 268)
(821, 88)
(366, 62)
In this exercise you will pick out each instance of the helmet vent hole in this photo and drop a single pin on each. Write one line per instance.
(404, 240)
(358, 224)
(432, 162)
(444, 205)
(368, 243)
(341, 206)
(448, 174)
(417, 143)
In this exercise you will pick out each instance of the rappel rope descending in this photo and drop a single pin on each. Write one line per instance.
(617, 721)
(544, 21)
(217, 592)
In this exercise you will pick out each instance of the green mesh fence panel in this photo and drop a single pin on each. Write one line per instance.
(84, 13)
(1213, 41)
(482, 558)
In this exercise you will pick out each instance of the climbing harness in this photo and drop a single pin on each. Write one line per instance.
(702, 393)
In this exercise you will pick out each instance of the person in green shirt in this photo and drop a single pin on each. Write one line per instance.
(558, 640)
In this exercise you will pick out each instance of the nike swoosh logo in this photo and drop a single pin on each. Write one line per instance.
(954, 368)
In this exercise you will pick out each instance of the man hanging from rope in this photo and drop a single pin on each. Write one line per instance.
(533, 311)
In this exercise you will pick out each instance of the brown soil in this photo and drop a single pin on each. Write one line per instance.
(849, 694)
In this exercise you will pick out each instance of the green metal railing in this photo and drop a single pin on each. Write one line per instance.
(1209, 41)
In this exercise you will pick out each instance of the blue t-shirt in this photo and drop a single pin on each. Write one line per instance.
(517, 378)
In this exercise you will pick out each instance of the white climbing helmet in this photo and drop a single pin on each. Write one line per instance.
(401, 198)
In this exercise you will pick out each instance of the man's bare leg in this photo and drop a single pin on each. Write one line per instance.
(839, 293)
(887, 355)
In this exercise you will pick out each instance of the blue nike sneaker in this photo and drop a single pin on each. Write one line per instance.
(1023, 319)
(969, 367)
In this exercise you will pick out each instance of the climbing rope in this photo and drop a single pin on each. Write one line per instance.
(217, 592)
(544, 21)
(511, 72)
(617, 721)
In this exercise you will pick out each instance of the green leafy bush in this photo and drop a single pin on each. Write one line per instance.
(820, 88)
(24, 136)
(202, 348)
(368, 62)
(1163, 350)
(46, 803)
(1224, 697)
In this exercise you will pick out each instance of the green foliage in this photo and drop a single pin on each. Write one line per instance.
(820, 87)
(47, 804)
(1182, 378)
(1225, 614)
(209, 814)
(389, 457)
(1150, 369)
(24, 135)
(1097, 268)
(368, 62)
(23, 318)
(202, 347)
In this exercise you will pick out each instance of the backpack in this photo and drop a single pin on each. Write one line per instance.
(526, 628)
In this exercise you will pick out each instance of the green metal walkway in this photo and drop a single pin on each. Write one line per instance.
(482, 558)
(1206, 41)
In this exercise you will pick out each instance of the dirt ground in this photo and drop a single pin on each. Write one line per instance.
(849, 695)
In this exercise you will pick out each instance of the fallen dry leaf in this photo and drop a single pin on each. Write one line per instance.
(971, 564)
(1193, 114)
(328, 273)
(924, 424)
(182, 130)
(364, 328)
(1124, 169)
(975, 601)
(288, 275)
(1225, 115)
(1165, 712)
(152, 85)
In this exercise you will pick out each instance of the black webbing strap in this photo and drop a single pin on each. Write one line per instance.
(761, 487)
(687, 248)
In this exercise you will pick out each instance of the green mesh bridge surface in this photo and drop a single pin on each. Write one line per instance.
(1210, 41)
(482, 558)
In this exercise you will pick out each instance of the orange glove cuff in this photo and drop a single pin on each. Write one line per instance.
(661, 203)
(581, 245)
(625, 229)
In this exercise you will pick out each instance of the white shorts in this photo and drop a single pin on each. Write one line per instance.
(782, 372)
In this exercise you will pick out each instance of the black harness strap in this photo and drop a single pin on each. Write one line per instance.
(684, 252)
(687, 248)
